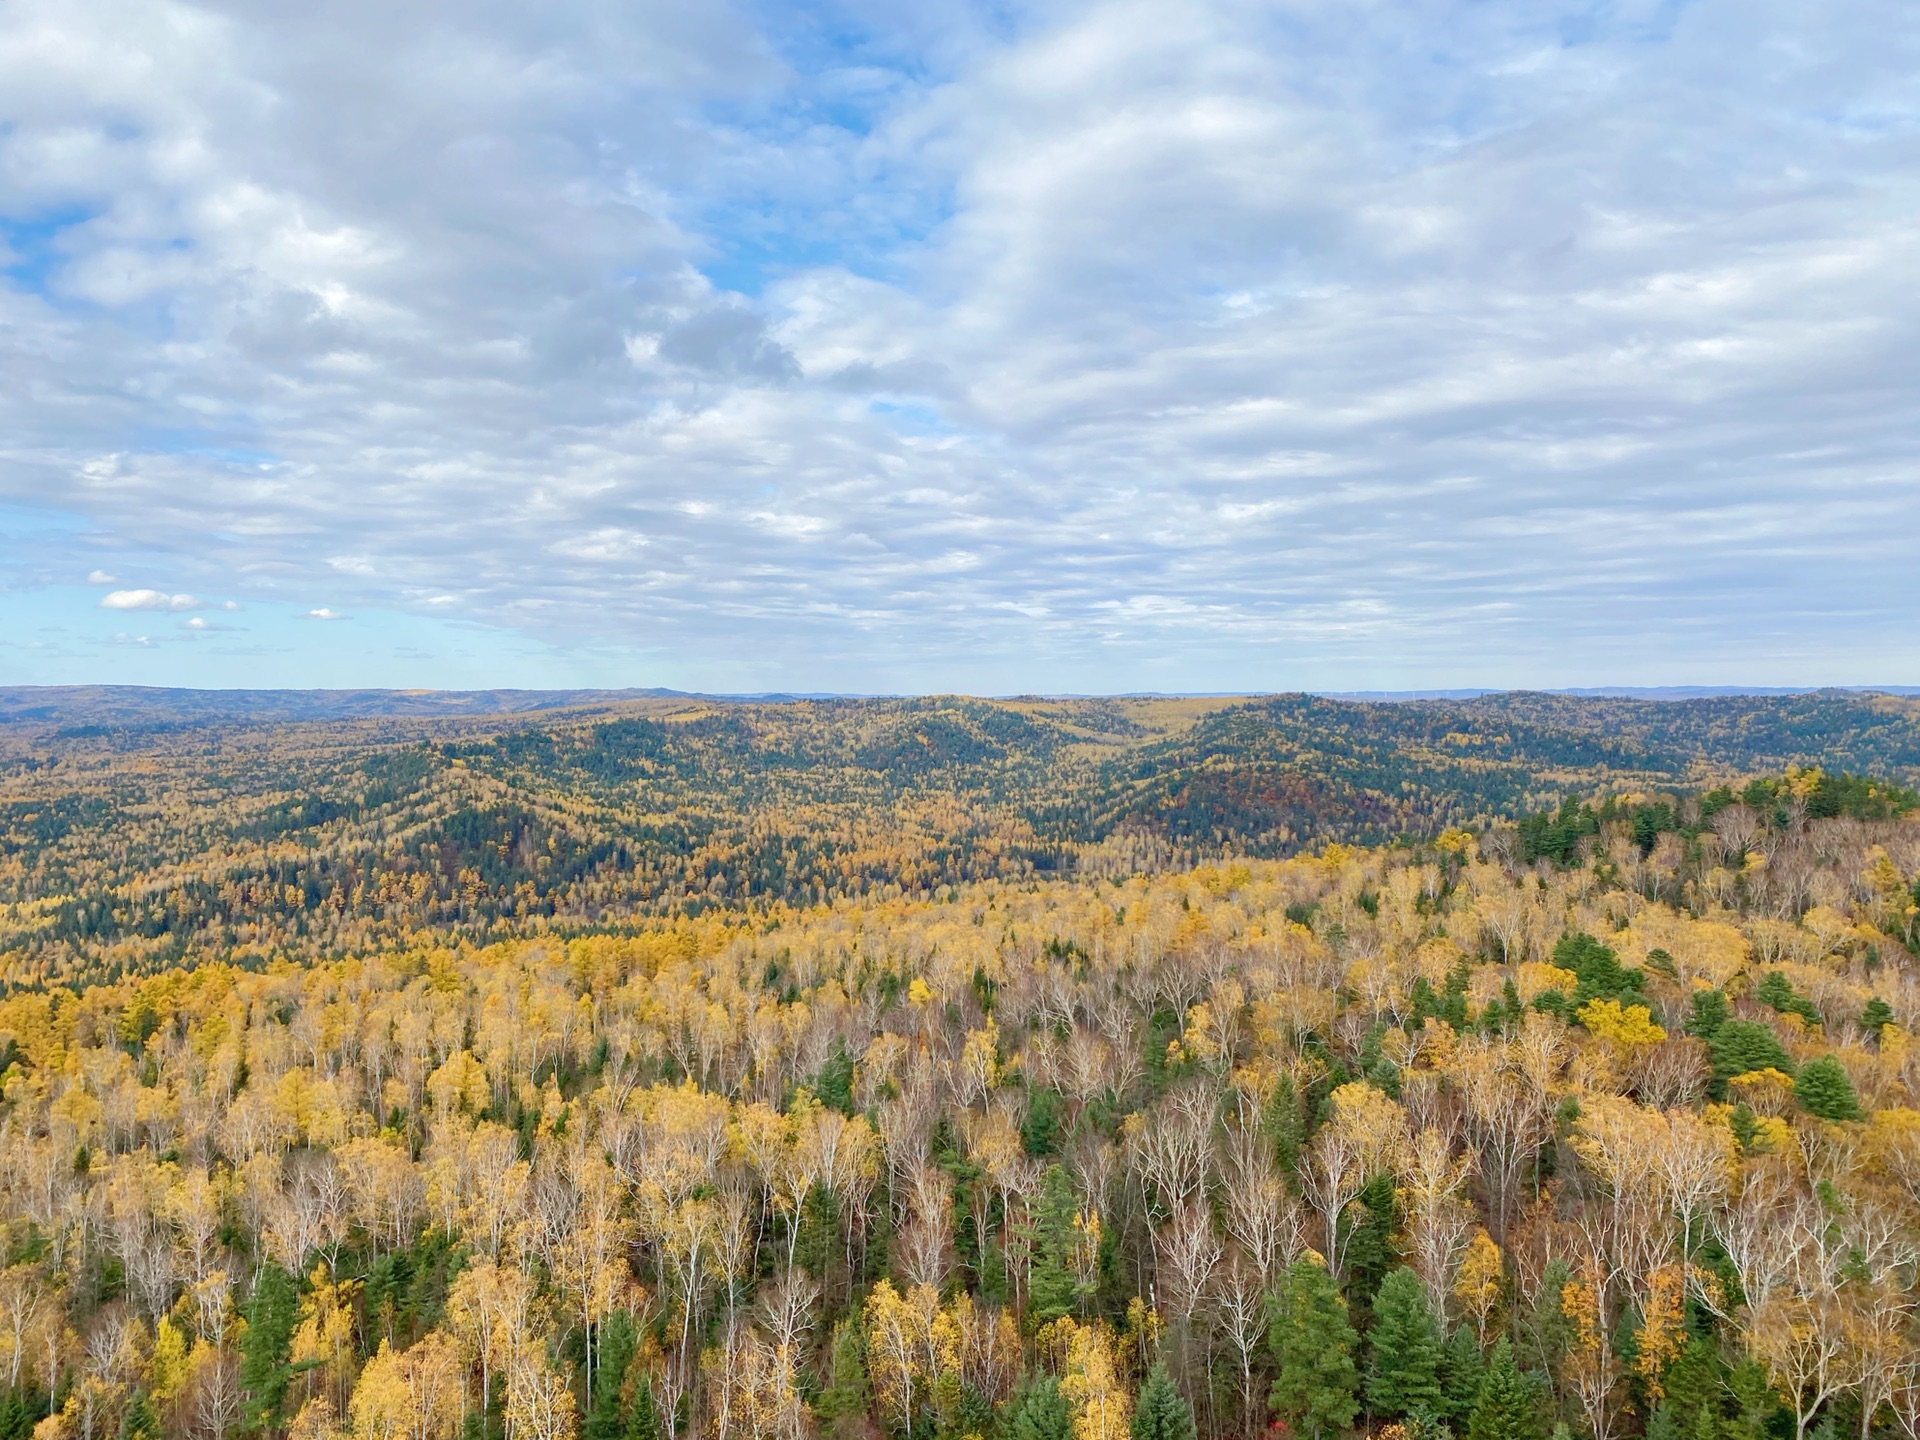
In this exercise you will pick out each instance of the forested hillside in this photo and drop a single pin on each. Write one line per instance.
(1603, 1125)
(142, 830)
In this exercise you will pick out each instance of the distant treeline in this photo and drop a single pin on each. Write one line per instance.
(127, 845)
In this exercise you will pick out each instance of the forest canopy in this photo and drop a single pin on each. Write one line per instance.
(1456, 1135)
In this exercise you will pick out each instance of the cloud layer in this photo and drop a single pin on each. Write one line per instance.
(1072, 346)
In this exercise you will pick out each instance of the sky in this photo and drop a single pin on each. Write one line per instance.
(1003, 347)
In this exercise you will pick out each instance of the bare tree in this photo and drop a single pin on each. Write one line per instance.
(1239, 1294)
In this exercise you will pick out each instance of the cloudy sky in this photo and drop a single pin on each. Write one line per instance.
(1129, 344)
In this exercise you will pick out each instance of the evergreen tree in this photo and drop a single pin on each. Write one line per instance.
(1051, 1290)
(606, 1418)
(264, 1372)
(1876, 1014)
(1313, 1346)
(1775, 991)
(1742, 1046)
(959, 1409)
(1756, 1401)
(1661, 1424)
(846, 1392)
(1509, 1406)
(1601, 975)
(140, 1422)
(1040, 1412)
(817, 1247)
(18, 1416)
(833, 1086)
(1162, 1412)
(1370, 1225)
(1696, 1381)
(1547, 1333)
(643, 1416)
(1710, 1012)
(1462, 1369)
(1403, 1376)
(1282, 1120)
(1040, 1130)
(1823, 1089)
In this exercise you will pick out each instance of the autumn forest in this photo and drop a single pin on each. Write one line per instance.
(655, 1068)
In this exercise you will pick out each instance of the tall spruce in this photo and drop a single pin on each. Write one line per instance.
(1162, 1412)
(643, 1416)
(264, 1372)
(1462, 1370)
(1051, 1291)
(606, 1417)
(1312, 1345)
(1509, 1404)
(1040, 1412)
(1403, 1374)
(846, 1393)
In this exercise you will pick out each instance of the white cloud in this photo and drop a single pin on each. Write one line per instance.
(1244, 342)
(101, 577)
(322, 613)
(146, 600)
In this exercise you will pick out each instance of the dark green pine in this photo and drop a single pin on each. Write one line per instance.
(1403, 1377)
(1040, 1412)
(1509, 1405)
(1823, 1089)
(1162, 1412)
(1312, 1344)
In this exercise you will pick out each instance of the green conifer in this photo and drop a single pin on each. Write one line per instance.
(1509, 1405)
(1403, 1376)
(1162, 1412)
(1823, 1089)
(140, 1421)
(606, 1418)
(1742, 1046)
(643, 1416)
(1462, 1369)
(1040, 1412)
(1051, 1290)
(264, 1373)
(846, 1392)
(1710, 1012)
(1312, 1343)
(1370, 1223)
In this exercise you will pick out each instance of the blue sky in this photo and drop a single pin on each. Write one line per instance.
(1001, 347)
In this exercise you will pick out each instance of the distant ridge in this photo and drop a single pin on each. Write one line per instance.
(144, 828)
(154, 704)
(1628, 692)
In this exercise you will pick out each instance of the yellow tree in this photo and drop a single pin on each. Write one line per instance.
(416, 1394)
(1090, 1381)
(1479, 1281)
(539, 1403)
(1591, 1364)
(490, 1309)
(1663, 1332)
(899, 1333)
(1439, 1217)
(323, 1341)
